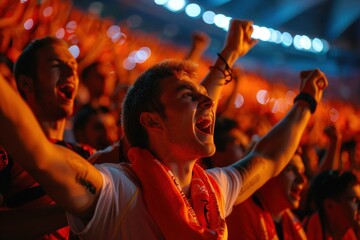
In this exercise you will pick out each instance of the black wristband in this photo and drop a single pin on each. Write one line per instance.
(229, 76)
(307, 98)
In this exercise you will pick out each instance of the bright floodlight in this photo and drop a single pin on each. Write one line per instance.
(208, 17)
(305, 42)
(48, 11)
(221, 20)
(326, 45)
(28, 24)
(140, 56)
(60, 33)
(297, 43)
(287, 39)
(112, 30)
(160, 2)
(175, 5)
(256, 32)
(128, 65)
(262, 96)
(74, 50)
(275, 36)
(239, 100)
(317, 45)
(264, 34)
(193, 10)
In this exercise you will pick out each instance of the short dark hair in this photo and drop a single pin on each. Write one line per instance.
(144, 96)
(330, 184)
(26, 64)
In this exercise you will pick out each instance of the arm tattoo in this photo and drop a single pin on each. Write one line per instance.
(88, 185)
(81, 173)
(250, 172)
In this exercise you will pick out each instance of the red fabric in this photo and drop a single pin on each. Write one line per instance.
(168, 206)
(249, 221)
(313, 229)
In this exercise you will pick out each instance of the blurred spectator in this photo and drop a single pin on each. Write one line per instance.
(98, 78)
(336, 197)
(267, 214)
(231, 143)
(46, 77)
(95, 126)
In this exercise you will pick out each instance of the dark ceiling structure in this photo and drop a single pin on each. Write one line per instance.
(337, 21)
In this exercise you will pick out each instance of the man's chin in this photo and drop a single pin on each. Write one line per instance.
(210, 151)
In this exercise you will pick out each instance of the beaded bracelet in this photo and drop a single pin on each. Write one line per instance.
(228, 76)
(307, 98)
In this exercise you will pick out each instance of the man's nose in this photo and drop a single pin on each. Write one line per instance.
(206, 102)
(301, 178)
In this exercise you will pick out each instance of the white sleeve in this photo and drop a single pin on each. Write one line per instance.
(114, 197)
(229, 181)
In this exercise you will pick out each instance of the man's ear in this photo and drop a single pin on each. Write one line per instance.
(150, 120)
(25, 84)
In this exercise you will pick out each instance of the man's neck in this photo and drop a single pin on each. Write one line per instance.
(178, 163)
(54, 129)
(183, 173)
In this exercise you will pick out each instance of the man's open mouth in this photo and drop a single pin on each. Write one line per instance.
(66, 90)
(296, 191)
(204, 123)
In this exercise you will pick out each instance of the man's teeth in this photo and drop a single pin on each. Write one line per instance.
(203, 124)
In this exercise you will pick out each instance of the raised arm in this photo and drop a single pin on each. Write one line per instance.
(200, 42)
(273, 151)
(238, 43)
(68, 178)
(331, 160)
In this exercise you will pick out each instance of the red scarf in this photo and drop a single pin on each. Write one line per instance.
(167, 204)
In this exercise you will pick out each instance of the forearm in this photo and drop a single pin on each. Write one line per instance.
(331, 161)
(272, 152)
(194, 54)
(20, 135)
(280, 144)
(238, 43)
(31, 223)
(214, 81)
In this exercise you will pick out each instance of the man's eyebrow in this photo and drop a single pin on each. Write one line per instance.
(193, 88)
(61, 61)
(54, 59)
(185, 86)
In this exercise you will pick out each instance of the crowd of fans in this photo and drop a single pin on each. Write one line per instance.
(106, 53)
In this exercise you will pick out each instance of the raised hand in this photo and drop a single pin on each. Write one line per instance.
(239, 37)
(313, 82)
(333, 132)
(200, 40)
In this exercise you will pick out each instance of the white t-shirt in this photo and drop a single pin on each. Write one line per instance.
(121, 212)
